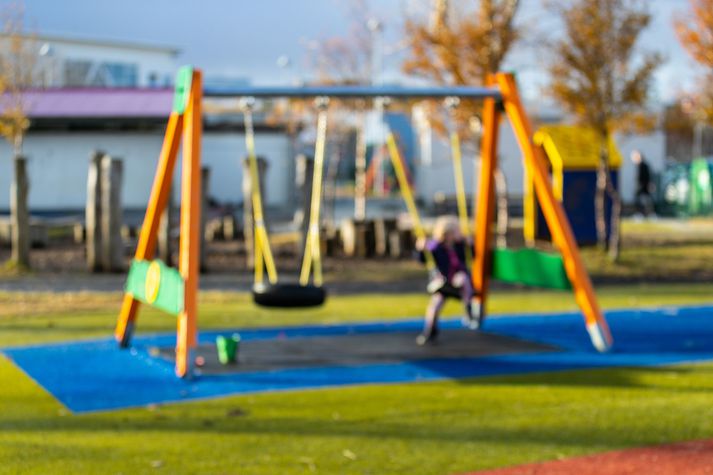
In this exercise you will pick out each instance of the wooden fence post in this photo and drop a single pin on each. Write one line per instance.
(92, 212)
(111, 215)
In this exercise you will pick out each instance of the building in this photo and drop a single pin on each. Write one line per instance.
(76, 62)
(434, 172)
(116, 97)
(68, 124)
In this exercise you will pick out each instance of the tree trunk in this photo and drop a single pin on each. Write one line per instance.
(19, 215)
(615, 223)
(599, 200)
(605, 188)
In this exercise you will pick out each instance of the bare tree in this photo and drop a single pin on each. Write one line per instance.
(462, 49)
(598, 75)
(349, 60)
(18, 61)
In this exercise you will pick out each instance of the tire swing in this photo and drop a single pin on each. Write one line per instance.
(274, 293)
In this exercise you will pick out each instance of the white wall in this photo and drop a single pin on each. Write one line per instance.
(57, 166)
(437, 176)
(224, 152)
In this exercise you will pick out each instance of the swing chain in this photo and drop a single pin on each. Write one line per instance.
(382, 103)
(321, 102)
(451, 102)
(247, 103)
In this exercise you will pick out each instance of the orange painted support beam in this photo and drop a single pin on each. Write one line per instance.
(555, 216)
(189, 249)
(486, 202)
(146, 246)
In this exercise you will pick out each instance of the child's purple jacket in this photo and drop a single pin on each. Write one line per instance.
(440, 255)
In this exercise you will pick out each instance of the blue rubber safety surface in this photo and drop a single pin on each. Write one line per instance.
(95, 375)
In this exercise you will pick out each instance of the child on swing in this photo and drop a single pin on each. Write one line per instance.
(451, 276)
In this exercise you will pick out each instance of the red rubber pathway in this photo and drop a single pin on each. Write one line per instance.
(685, 458)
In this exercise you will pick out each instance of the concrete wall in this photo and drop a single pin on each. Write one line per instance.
(58, 161)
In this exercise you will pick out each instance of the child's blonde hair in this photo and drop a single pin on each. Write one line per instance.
(444, 225)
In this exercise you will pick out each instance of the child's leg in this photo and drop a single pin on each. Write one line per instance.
(462, 281)
(472, 319)
(467, 297)
(432, 312)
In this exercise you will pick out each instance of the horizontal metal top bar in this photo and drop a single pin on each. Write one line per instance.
(356, 92)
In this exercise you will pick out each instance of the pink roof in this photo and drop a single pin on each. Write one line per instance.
(88, 103)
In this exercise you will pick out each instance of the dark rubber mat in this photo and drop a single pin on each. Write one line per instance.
(358, 349)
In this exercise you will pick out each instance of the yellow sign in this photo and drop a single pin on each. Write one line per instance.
(153, 281)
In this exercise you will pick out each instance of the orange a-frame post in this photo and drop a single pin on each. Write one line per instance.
(535, 164)
(152, 282)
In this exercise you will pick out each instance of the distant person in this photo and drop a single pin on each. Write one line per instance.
(448, 248)
(643, 199)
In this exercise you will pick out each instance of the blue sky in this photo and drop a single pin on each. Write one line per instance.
(241, 38)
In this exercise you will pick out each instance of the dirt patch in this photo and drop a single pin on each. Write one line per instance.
(690, 458)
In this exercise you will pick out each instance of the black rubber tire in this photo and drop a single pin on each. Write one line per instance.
(288, 295)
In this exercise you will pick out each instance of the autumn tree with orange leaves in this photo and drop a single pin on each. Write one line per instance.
(598, 75)
(695, 32)
(462, 49)
(18, 65)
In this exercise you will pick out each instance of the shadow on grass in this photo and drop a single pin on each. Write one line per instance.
(627, 377)
(430, 419)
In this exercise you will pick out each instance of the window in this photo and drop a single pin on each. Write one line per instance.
(83, 73)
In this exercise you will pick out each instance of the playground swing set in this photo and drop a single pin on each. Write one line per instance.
(175, 291)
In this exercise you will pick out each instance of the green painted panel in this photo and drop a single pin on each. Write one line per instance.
(184, 79)
(530, 267)
(700, 201)
(156, 284)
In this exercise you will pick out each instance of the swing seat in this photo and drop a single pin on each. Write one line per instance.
(288, 295)
(530, 267)
(450, 292)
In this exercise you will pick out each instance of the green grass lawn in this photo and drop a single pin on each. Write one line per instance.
(441, 427)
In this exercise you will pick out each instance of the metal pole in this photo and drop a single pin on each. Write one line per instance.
(698, 140)
(356, 92)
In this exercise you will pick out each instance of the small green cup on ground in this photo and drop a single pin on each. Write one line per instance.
(227, 348)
